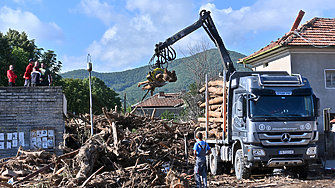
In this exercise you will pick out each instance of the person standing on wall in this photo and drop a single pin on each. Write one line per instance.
(201, 149)
(27, 74)
(11, 76)
(46, 76)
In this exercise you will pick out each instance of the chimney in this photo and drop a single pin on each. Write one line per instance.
(161, 94)
(297, 20)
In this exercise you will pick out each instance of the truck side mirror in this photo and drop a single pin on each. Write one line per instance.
(318, 106)
(239, 107)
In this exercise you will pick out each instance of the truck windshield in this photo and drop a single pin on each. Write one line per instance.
(282, 106)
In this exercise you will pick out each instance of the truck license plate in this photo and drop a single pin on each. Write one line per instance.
(283, 152)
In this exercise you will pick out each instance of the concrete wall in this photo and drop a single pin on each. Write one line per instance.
(30, 116)
(312, 65)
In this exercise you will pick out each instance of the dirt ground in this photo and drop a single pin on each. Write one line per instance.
(317, 177)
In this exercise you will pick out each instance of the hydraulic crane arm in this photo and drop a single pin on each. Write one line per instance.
(164, 52)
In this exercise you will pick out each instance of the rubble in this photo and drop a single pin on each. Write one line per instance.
(125, 151)
(128, 151)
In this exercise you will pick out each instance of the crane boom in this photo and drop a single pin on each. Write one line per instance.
(164, 52)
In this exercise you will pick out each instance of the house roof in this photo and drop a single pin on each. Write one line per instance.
(162, 100)
(317, 32)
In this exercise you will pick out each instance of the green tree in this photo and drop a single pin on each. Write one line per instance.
(25, 49)
(20, 61)
(102, 95)
(6, 59)
(21, 40)
(77, 95)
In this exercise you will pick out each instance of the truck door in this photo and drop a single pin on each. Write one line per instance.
(239, 114)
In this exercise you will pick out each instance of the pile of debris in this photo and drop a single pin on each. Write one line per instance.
(125, 151)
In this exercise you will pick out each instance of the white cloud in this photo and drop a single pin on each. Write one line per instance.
(102, 11)
(74, 63)
(28, 22)
(131, 40)
(263, 16)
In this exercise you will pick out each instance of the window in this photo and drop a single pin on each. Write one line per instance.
(330, 78)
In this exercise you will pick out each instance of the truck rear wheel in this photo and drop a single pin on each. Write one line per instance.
(241, 171)
(214, 165)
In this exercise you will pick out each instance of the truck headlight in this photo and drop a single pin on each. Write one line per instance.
(311, 151)
(258, 152)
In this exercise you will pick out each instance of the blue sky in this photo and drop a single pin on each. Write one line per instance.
(121, 34)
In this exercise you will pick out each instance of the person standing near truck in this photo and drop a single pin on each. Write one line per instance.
(200, 150)
(11, 76)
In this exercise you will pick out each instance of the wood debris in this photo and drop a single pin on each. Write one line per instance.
(126, 151)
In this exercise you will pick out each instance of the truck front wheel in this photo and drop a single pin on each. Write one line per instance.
(241, 171)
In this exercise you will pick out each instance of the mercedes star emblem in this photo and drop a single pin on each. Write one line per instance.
(285, 137)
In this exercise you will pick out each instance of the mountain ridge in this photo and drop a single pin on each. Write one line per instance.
(126, 81)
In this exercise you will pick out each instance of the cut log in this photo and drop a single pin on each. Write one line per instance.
(212, 84)
(202, 119)
(214, 114)
(215, 107)
(216, 90)
(215, 83)
(217, 100)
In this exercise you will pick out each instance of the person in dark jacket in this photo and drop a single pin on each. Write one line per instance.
(35, 77)
(201, 149)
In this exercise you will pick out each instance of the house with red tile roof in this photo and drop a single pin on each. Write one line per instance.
(308, 50)
(162, 102)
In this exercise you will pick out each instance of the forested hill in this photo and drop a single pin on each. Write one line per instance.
(126, 81)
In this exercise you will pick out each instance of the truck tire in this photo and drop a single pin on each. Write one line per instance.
(214, 165)
(241, 171)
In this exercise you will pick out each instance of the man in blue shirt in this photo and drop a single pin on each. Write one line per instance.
(200, 150)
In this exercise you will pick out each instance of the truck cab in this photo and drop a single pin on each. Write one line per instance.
(271, 123)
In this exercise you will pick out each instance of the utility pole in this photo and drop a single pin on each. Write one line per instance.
(124, 104)
(89, 69)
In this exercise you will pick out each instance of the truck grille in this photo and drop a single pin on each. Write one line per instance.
(285, 139)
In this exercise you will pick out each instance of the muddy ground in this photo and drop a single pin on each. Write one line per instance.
(317, 177)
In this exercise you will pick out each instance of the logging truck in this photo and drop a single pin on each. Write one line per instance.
(258, 121)
(255, 121)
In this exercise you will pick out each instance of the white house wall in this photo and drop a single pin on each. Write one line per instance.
(275, 62)
(312, 65)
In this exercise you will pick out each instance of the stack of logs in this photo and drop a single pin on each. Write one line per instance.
(125, 151)
(215, 109)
